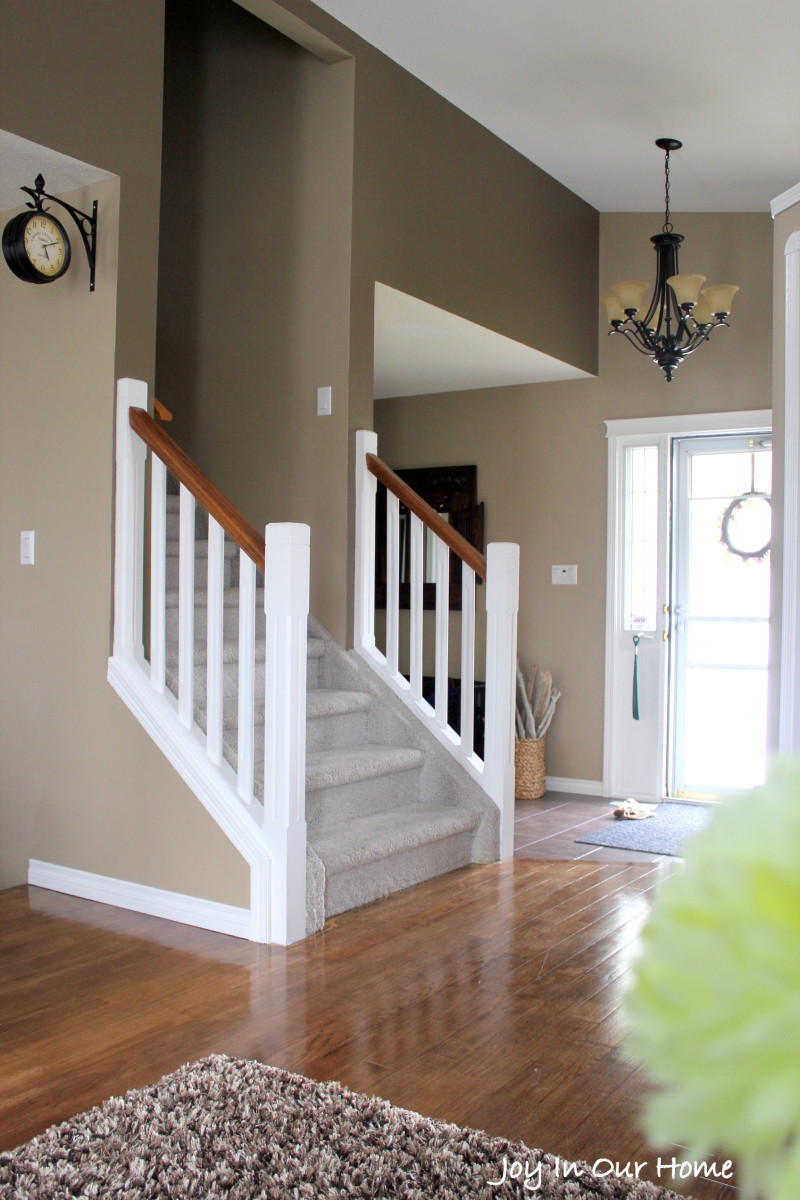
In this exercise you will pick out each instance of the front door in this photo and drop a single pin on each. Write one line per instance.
(719, 608)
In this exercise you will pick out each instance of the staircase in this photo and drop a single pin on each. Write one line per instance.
(383, 811)
(327, 770)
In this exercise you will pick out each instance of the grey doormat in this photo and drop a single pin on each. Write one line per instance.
(664, 833)
(224, 1127)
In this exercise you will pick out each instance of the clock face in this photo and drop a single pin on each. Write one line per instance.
(45, 245)
(36, 247)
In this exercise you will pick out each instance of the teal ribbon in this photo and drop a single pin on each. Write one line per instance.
(636, 677)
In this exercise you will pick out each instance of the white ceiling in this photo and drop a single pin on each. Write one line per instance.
(421, 350)
(584, 87)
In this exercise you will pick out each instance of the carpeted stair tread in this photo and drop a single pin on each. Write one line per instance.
(367, 839)
(333, 702)
(334, 768)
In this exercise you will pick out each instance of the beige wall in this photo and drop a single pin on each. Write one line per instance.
(541, 452)
(435, 206)
(81, 785)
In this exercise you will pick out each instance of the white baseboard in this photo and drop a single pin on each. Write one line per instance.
(581, 787)
(138, 897)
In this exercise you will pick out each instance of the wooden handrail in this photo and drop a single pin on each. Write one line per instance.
(429, 516)
(161, 411)
(245, 535)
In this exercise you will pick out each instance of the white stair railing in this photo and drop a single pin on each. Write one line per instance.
(495, 771)
(211, 741)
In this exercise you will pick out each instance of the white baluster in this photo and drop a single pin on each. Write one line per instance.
(247, 666)
(502, 603)
(215, 597)
(467, 658)
(416, 595)
(366, 493)
(186, 555)
(158, 572)
(129, 518)
(286, 608)
(442, 568)
(392, 581)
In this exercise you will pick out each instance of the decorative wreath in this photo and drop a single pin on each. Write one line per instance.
(745, 523)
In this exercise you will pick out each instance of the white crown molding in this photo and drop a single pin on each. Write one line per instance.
(785, 200)
(138, 897)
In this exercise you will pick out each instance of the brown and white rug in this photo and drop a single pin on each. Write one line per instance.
(229, 1128)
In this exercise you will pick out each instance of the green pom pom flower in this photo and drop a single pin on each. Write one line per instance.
(715, 1005)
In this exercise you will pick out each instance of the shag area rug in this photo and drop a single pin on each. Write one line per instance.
(666, 832)
(224, 1127)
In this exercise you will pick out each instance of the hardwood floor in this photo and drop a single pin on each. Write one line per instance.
(489, 997)
(547, 828)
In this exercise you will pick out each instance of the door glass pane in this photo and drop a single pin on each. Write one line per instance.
(641, 539)
(720, 642)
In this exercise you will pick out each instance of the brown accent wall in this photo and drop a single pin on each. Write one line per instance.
(254, 272)
(541, 452)
(81, 784)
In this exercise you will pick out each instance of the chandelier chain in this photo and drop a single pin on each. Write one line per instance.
(667, 226)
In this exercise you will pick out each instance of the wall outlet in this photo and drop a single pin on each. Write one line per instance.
(27, 547)
(565, 574)
(324, 401)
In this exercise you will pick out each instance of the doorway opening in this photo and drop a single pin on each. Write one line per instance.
(687, 625)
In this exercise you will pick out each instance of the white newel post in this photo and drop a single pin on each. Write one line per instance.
(286, 595)
(366, 493)
(502, 604)
(129, 530)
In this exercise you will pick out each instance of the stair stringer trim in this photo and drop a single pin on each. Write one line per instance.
(391, 722)
(214, 786)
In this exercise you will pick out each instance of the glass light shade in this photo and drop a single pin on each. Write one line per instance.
(702, 313)
(720, 298)
(630, 293)
(686, 287)
(613, 307)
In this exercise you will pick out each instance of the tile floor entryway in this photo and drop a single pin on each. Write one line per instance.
(547, 828)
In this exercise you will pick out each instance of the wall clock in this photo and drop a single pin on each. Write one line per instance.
(36, 247)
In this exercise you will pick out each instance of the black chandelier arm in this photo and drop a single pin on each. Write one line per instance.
(87, 225)
(630, 335)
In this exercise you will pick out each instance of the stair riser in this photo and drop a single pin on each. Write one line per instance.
(373, 880)
(174, 522)
(329, 806)
(329, 733)
(230, 577)
(230, 624)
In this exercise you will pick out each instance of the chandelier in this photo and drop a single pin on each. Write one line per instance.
(680, 316)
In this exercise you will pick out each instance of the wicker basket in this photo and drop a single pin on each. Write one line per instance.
(529, 768)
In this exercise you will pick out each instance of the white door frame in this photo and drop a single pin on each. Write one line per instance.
(621, 434)
(789, 705)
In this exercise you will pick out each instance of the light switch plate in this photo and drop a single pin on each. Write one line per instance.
(27, 547)
(567, 574)
(324, 401)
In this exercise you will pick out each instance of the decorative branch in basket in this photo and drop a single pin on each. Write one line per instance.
(536, 703)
